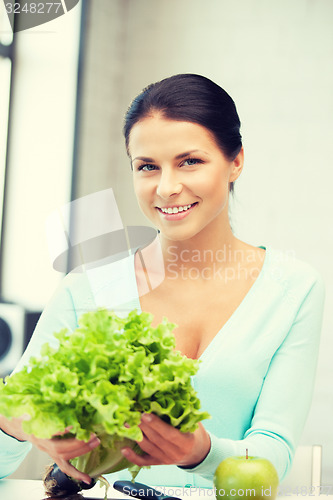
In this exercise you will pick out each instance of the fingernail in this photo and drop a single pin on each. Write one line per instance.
(125, 452)
(146, 417)
(94, 443)
(87, 482)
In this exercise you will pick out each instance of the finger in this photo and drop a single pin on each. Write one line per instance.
(73, 444)
(75, 448)
(156, 449)
(148, 433)
(61, 433)
(70, 470)
(65, 448)
(78, 449)
(150, 423)
(141, 460)
(57, 439)
(164, 435)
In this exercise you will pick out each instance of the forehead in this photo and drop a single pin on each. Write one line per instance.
(155, 135)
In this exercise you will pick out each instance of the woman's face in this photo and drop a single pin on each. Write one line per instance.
(181, 177)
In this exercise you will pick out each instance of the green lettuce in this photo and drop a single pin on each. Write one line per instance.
(99, 380)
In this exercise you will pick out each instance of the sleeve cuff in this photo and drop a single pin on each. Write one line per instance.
(12, 453)
(216, 454)
(12, 437)
(11, 443)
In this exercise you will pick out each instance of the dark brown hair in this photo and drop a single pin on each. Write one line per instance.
(192, 98)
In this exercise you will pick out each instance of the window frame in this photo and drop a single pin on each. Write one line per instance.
(6, 52)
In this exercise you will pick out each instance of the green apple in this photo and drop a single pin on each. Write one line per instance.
(245, 478)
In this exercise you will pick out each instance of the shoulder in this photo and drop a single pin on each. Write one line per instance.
(106, 270)
(74, 281)
(282, 266)
(295, 276)
(289, 266)
(109, 284)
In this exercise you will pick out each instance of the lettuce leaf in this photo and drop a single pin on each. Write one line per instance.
(101, 378)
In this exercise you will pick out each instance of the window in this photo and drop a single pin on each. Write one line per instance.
(40, 154)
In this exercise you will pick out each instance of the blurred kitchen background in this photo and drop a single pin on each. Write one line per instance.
(64, 89)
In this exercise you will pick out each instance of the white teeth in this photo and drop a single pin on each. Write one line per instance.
(175, 210)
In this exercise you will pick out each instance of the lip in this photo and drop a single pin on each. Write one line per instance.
(179, 215)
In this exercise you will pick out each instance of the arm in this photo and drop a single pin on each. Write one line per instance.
(279, 415)
(282, 407)
(14, 442)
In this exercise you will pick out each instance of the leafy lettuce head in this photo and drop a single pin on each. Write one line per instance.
(101, 378)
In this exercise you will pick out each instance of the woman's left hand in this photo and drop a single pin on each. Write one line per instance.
(163, 444)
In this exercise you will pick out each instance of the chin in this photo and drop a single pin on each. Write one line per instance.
(180, 234)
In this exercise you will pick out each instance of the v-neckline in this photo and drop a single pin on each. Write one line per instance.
(240, 306)
(231, 318)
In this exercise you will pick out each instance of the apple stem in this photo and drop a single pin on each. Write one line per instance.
(247, 456)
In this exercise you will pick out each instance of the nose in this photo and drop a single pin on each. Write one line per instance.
(169, 184)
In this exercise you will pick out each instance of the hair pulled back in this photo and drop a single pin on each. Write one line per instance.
(192, 98)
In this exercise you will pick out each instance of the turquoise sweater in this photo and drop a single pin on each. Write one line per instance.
(256, 377)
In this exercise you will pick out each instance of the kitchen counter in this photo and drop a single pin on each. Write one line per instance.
(19, 489)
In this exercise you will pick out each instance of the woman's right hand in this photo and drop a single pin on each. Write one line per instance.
(60, 450)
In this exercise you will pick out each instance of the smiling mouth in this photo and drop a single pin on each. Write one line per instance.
(176, 210)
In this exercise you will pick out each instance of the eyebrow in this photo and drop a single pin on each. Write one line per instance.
(178, 157)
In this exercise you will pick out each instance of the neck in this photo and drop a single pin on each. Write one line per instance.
(214, 247)
(209, 248)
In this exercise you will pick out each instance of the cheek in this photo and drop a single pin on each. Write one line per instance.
(214, 188)
(213, 179)
(141, 190)
(137, 187)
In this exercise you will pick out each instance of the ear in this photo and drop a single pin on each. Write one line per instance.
(237, 166)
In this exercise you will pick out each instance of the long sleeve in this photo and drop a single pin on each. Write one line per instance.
(75, 295)
(285, 398)
(59, 313)
(12, 453)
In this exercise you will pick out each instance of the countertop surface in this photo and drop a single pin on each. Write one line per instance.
(17, 489)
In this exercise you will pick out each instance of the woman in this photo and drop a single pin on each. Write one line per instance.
(250, 314)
